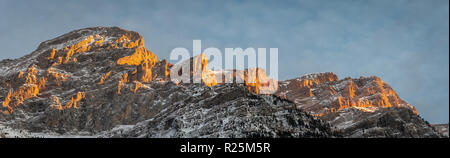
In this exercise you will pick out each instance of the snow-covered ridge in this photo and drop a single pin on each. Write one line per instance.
(317, 75)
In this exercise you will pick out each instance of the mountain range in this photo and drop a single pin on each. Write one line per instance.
(103, 82)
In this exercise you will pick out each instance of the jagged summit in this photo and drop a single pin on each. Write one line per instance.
(364, 93)
(66, 48)
(77, 35)
(96, 55)
(96, 39)
(321, 76)
(255, 79)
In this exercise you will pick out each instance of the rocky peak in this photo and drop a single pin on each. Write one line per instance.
(302, 86)
(365, 93)
(255, 79)
(348, 102)
(81, 34)
(66, 48)
(317, 78)
(86, 56)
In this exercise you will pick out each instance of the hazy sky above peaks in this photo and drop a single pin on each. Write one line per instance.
(404, 42)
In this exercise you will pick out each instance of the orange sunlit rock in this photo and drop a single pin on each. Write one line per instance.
(9, 110)
(23, 93)
(143, 58)
(201, 72)
(379, 95)
(257, 81)
(100, 40)
(80, 47)
(166, 71)
(42, 83)
(8, 99)
(138, 85)
(102, 80)
(147, 73)
(31, 75)
(69, 54)
(119, 87)
(366, 94)
(134, 72)
(29, 89)
(123, 79)
(74, 102)
(52, 54)
(57, 77)
(56, 103)
(125, 42)
(140, 56)
(33, 84)
(350, 90)
(20, 75)
(59, 61)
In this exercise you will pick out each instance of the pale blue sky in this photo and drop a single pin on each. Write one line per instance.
(405, 42)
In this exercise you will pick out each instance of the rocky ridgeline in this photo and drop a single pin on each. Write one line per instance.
(224, 111)
(255, 79)
(92, 81)
(364, 107)
(103, 82)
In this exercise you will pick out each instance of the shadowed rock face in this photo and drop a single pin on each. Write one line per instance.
(92, 81)
(227, 111)
(364, 107)
(441, 128)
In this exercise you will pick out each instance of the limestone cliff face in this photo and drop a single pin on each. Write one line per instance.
(349, 102)
(70, 78)
(81, 56)
(365, 93)
(255, 79)
(301, 87)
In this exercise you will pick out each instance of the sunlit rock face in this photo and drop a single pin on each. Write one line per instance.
(350, 103)
(200, 71)
(365, 93)
(193, 70)
(255, 79)
(85, 55)
(74, 72)
(28, 86)
(91, 81)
